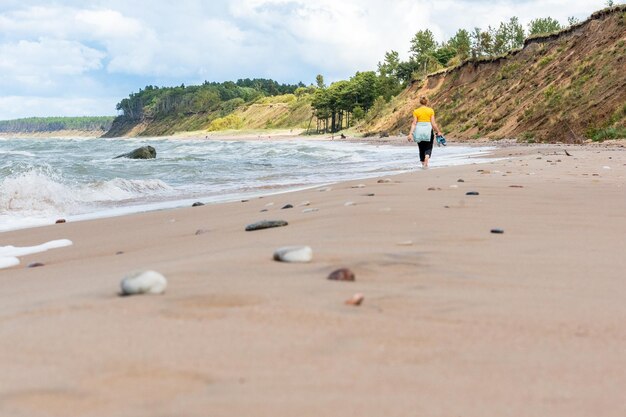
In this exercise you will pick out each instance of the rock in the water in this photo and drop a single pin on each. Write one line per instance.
(197, 204)
(342, 274)
(60, 221)
(497, 231)
(265, 224)
(356, 300)
(286, 206)
(293, 254)
(472, 193)
(144, 282)
(34, 265)
(145, 152)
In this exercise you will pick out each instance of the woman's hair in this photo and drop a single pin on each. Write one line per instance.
(423, 100)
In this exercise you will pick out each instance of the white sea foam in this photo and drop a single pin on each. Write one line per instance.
(9, 254)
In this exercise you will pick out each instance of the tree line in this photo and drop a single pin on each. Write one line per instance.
(365, 94)
(55, 124)
(210, 97)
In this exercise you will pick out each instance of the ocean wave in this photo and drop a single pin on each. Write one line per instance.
(20, 153)
(42, 193)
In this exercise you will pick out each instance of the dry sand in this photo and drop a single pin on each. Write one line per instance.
(461, 322)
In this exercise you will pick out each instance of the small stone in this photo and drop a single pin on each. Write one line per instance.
(305, 203)
(60, 221)
(244, 201)
(497, 231)
(349, 203)
(324, 189)
(293, 254)
(201, 232)
(606, 167)
(358, 186)
(516, 186)
(34, 265)
(269, 204)
(384, 181)
(310, 210)
(460, 180)
(265, 224)
(342, 274)
(356, 300)
(405, 243)
(432, 189)
(143, 282)
(119, 252)
(286, 206)
(370, 195)
(472, 193)
(263, 210)
(197, 204)
(446, 206)
(454, 186)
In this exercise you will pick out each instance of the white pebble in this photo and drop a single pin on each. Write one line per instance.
(405, 243)
(293, 254)
(310, 210)
(269, 204)
(606, 167)
(350, 203)
(143, 282)
(454, 186)
(359, 186)
(305, 203)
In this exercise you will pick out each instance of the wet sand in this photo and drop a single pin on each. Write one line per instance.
(456, 320)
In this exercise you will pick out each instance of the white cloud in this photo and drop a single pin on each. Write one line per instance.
(72, 48)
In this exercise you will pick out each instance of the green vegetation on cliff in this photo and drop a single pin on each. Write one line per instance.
(56, 124)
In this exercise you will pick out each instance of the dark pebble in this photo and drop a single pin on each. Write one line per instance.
(286, 206)
(497, 231)
(265, 224)
(119, 252)
(263, 210)
(60, 221)
(460, 180)
(34, 265)
(342, 274)
(431, 189)
(516, 186)
(472, 193)
(370, 195)
(244, 201)
(197, 204)
(201, 232)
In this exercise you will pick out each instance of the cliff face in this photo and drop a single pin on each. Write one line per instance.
(559, 87)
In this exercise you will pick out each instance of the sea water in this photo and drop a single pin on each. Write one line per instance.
(42, 180)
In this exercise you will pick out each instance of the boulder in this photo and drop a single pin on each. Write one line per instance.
(145, 152)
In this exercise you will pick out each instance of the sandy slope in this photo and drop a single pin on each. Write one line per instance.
(460, 323)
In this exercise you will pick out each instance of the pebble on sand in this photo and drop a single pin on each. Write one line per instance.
(305, 203)
(293, 254)
(310, 210)
(197, 204)
(356, 300)
(349, 203)
(265, 224)
(60, 221)
(516, 186)
(286, 206)
(370, 195)
(497, 231)
(472, 193)
(359, 186)
(34, 265)
(384, 181)
(201, 232)
(405, 243)
(341, 274)
(143, 282)
(324, 189)
(460, 180)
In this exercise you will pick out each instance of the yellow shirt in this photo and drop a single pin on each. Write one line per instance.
(423, 114)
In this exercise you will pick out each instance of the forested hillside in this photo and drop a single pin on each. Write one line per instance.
(57, 124)
(548, 81)
(568, 85)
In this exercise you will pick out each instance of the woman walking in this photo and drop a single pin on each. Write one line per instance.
(423, 130)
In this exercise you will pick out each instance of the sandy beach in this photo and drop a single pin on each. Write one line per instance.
(456, 320)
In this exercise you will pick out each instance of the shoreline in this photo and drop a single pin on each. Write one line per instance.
(456, 320)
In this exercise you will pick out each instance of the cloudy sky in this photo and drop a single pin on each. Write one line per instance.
(70, 57)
